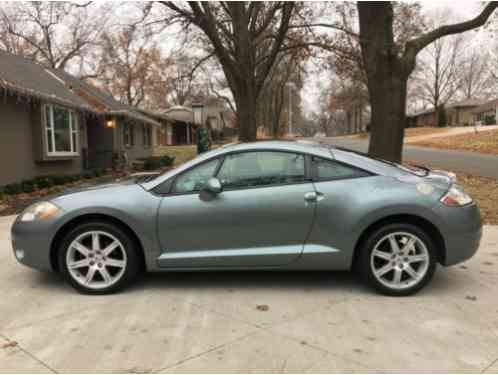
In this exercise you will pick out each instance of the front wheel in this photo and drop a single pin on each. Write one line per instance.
(98, 258)
(398, 259)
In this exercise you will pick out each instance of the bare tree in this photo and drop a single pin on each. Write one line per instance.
(438, 77)
(133, 69)
(182, 80)
(476, 80)
(246, 39)
(53, 33)
(388, 66)
(285, 80)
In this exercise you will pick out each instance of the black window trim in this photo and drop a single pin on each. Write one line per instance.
(314, 170)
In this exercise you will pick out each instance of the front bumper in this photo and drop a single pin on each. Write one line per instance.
(461, 229)
(31, 243)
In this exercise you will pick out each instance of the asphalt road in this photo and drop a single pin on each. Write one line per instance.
(271, 322)
(458, 161)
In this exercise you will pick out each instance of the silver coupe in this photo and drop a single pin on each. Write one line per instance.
(272, 205)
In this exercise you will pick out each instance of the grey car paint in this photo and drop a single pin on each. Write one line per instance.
(266, 227)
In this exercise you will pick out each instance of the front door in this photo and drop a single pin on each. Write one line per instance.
(260, 219)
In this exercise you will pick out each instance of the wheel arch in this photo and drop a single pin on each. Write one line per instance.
(416, 220)
(74, 222)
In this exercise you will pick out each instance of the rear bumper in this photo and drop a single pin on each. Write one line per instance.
(462, 232)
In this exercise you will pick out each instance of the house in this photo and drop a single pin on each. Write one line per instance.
(421, 119)
(53, 123)
(487, 113)
(460, 113)
(117, 133)
(457, 114)
(177, 126)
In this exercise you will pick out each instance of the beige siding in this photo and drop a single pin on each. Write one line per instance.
(22, 146)
(137, 150)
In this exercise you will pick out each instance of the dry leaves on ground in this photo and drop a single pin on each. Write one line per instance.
(415, 132)
(485, 142)
(485, 191)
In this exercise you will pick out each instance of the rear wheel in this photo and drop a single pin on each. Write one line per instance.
(398, 259)
(98, 258)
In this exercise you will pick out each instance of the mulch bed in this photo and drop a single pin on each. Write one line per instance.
(14, 204)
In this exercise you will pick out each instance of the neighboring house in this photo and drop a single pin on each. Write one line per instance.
(210, 113)
(177, 126)
(119, 133)
(460, 113)
(53, 123)
(421, 119)
(457, 114)
(487, 113)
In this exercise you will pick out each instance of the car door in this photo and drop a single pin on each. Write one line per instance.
(260, 219)
(344, 192)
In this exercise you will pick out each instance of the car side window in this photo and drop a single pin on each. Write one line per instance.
(261, 168)
(331, 170)
(194, 179)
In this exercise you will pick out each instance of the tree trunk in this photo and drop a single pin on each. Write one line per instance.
(246, 114)
(388, 98)
(386, 80)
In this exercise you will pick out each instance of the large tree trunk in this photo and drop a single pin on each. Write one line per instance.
(386, 80)
(388, 101)
(246, 114)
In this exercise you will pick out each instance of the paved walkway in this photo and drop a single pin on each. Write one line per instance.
(210, 322)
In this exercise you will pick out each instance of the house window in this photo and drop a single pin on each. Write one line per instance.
(61, 128)
(128, 136)
(147, 135)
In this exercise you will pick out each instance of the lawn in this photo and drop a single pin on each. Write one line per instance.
(484, 190)
(485, 142)
(414, 132)
(181, 153)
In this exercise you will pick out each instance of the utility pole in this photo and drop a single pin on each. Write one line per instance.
(291, 86)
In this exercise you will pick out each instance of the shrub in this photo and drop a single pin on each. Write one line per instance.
(441, 117)
(43, 182)
(99, 172)
(167, 161)
(156, 162)
(28, 186)
(10, 189)
(489, 120)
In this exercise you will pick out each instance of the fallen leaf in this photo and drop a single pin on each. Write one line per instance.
(471, 298)
(262, 307)
(9, 344)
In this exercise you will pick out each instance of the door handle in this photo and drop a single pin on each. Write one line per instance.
(310, 196)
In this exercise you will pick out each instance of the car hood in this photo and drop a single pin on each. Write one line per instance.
(93, 187)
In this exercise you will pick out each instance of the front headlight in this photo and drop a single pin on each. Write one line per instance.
(39, 211)
(456, 197)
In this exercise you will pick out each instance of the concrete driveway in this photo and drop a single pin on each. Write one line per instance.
(246, 322)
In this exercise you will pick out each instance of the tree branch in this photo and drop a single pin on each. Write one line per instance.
(416, 45)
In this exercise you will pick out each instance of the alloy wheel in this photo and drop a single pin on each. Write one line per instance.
(96, 259)
(399, 260)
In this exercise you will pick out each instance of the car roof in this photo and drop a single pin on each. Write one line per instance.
(301, 146)
(305, 146)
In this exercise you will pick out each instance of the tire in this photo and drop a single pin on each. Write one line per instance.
(413, 265)
(103, 269)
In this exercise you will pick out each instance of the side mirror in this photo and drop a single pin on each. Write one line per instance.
(210, 189)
